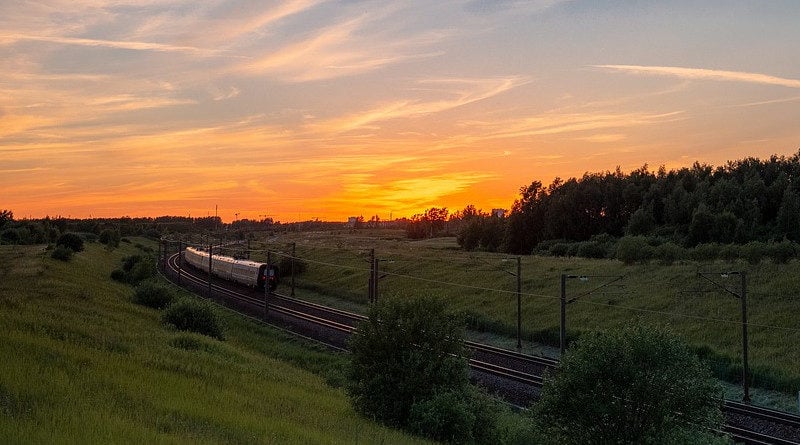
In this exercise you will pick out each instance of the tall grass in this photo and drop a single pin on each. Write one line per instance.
(82, 364)
(483, 287)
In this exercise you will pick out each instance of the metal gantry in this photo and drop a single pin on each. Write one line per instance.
(742, 296)
(564, 302)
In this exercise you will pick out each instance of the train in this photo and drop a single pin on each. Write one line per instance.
(249, 273)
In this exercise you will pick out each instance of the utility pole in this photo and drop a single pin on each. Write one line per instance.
(180, 260)
(564, 302)
(519, 303)
(371, 286)
(742, 296)
(563, 325)
(210, 266)
(266, 283)
(375, 279)
(294, 251)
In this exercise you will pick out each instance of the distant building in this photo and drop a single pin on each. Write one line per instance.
(352, 221)
(499, 213)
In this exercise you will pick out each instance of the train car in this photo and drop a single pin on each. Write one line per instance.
(249, 273)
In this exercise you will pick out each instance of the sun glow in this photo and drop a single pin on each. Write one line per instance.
(319, 109)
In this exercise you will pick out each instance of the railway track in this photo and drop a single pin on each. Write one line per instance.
(516, 377)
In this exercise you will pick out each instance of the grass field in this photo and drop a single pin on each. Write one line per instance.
(81, 364)
(483, 285)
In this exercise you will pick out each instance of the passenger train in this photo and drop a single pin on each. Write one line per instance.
(250, 273)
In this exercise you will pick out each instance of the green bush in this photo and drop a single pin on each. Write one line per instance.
(782, 252)
(457, 416)
(62, 253)
(445, 417)
(109, 237)
(705, 252)
(71, 240)
(592, 249)
(153, 295)
(559, 249)
(730, 252)
(142, 271)
(668, 253)
(135, 269)
(633, 249)
(754, 252)
(407, 351)
(603, 394)
(190, 315)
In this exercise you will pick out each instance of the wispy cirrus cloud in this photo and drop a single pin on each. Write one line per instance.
(342, 49)
(117, 44)
(703, 74)
(457, 92)
(554, 124)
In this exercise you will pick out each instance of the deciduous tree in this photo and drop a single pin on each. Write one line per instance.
(636, 385)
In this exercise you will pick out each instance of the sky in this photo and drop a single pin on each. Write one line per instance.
(312, 109)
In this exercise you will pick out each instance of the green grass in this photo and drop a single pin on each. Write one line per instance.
(82, 364)
(483, 285)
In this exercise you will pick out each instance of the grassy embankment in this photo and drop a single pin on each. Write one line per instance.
(482, 285)
(81, 364)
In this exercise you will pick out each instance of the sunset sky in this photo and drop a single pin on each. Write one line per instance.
(328, 109)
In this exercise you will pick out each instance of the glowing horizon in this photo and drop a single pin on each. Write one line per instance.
(315, 109)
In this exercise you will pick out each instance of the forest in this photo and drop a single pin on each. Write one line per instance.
(744, 201)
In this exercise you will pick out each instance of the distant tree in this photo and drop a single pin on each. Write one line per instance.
(427, 225)
(636, 385)
(6, 216)
(528, 218)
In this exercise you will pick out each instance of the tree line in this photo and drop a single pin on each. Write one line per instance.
(743, 201)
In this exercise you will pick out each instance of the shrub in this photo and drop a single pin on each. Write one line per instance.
(559, 249)
(730, 252)
(71, 240)
(754, 252)
(110, 238)
(135, 269)
(142, 270)
(406, 352)
(190, 315)
(457, 416)
(592, 249)
(153, 295)
(445, 417)
(705, 252)
(633, 249)
(119, 275)
(576, 406)
(62, 253)
(668, 253)
(782, 252)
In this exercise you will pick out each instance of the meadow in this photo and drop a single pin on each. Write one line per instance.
(482, 286)
(82, 364)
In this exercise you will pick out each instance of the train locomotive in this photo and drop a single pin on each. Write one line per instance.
(249, 273)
